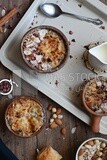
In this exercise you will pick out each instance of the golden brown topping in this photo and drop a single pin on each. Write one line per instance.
(25, 116)
(96, 95)
(44, 50)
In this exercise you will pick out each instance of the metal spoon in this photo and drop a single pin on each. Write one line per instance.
(53, 10)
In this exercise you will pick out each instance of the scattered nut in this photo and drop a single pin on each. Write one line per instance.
(60, 116)
(103, 145)
(96, 141)
(53, 125)
(51, 120)
(49, 107)
(55, 119)
(58, 121)
(90, 143)
(80, 152)
(58, 111)
(63, 131)
(54, 110)
(54, 116)
(99, 153)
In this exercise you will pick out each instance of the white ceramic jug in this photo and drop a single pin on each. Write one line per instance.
(98, 56)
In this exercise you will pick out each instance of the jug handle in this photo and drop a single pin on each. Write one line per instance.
(95, 124)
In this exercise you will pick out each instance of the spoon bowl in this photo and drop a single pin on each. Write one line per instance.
(53, 10)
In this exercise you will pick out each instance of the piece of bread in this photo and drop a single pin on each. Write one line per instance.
(49, 153)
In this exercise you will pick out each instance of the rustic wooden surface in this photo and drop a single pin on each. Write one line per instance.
(25, 149)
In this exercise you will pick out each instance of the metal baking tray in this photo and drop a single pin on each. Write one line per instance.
(63, 85)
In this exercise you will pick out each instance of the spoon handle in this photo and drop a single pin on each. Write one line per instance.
(87, 19)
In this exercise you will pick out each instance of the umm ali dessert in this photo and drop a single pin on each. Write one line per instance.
(95, 95)
(24, 116)
(44, 48)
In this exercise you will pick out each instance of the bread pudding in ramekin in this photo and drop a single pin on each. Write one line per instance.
(44, 49)
(24, 116)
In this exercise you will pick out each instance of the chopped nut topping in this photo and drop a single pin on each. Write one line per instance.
(96, 95)
(46, 46)
(92, 150)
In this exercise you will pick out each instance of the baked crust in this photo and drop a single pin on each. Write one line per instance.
(24, 116)
(49, 153)
(43, 49)
(95, 95)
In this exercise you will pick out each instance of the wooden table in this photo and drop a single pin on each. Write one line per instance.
(25, 149)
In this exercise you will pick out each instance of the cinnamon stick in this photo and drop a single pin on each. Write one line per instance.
(9, 15)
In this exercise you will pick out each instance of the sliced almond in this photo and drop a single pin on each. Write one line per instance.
(58, 121)
(53, 125)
